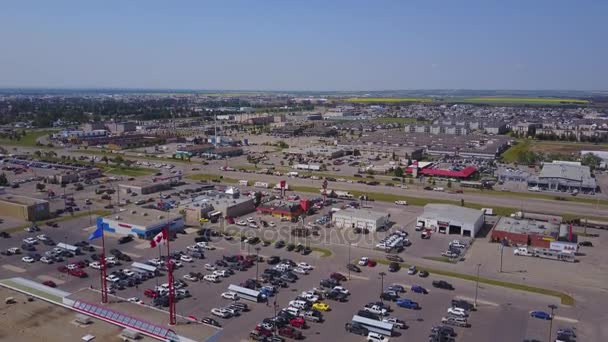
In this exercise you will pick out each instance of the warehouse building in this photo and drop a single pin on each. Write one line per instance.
(144, 188)
(215, 204)
(451, 219)
(531, 230)
(360, 218)
(24, 208)
(141, 222)
(291, 210)
(564, 176)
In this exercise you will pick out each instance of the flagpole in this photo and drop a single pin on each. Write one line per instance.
(172, 318)
(104, 286)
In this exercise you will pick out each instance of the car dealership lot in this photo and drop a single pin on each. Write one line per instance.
(494, 303)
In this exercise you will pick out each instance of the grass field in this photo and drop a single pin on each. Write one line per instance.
(29, 139)
(388, 99)
(523, 100)
(514, 152)
(565, 147)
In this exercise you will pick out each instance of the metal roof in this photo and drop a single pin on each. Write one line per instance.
(364, 214)
(450, 213)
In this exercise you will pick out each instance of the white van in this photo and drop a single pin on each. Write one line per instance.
(212, 278)
(293, 311)
(298, 304)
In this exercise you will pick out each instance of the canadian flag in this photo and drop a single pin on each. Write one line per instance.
(159, 238)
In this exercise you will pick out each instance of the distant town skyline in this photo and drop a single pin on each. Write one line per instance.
(308, 46)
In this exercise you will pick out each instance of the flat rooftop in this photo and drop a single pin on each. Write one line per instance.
(360, 214)
(448, 212)
(213, 198)
(528, 226)
(143, 183)
(142, 216)
(17, 199)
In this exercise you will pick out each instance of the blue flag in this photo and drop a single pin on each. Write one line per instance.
(98, 232)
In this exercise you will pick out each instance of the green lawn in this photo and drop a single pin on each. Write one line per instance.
(512, 155)
(32, 291)
(29, 139)
(66, 217)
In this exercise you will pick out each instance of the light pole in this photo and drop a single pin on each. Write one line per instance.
(382, 274)
(552, 307)
(477, 285)
(257, 259)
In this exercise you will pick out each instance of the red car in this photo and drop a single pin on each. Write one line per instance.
(62, 269)
(371, 263)
(298, 322)
(78, 273)
(150, 293)
(338, 276)
(230, 220)
(49, 283)
(263, 331)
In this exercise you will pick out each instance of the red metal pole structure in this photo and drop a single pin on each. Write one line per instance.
(324, 191)
(104, 284)
(172, 318)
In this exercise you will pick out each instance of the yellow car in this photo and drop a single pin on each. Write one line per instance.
(203, 220)
(320, 306)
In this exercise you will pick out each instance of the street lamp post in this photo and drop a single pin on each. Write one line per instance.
(257, 259)
(552, 307)
(382, 274)
(477, 284)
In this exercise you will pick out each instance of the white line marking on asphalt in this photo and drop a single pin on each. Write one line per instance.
(566, 319)
(359, 277)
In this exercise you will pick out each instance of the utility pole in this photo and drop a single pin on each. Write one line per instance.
(477, 285)
(552, 307)
(382, 274)
(502, 248)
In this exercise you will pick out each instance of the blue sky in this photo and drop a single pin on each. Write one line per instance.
(305, 45)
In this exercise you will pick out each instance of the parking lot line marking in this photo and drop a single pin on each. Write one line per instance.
(359, 277)
(14, 268)
(566, 319)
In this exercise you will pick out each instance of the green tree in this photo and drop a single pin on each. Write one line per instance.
(104, 159)
(356, 152)
(38, 154)
(399, 172)
(40, 186)
(591, 160)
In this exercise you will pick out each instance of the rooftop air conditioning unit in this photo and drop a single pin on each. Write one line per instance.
(145, 214)
(160, 217)
(133, 211)
(117, 217)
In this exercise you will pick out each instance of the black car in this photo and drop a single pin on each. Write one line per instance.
(299, 248)
(585, 244)
(389, 295)
(337, 296)
(393, 267)
(306, 251)
(353, 268)
(253, 240)
(330, 283)
(290, 247)
(279, 244)
(356, 328)
(125, 239)
(5, 235)
(423, 274)
(273, 260)
(442, 284)
(367, 314)
(202, 239)
(115, 252)
(460, 303)
(443, 330)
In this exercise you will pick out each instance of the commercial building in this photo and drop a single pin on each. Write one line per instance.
(24, 208)
(215, 203)
(451, 219)
(144, 188)
(193, 150)
(291, 210)
(329, 152)
(360, 218)
(531, 230)
(564, 176)
(141, 222)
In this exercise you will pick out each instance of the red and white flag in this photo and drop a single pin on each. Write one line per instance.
(159, 238)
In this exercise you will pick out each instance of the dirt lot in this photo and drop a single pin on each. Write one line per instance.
(565, 147)
(40, 321)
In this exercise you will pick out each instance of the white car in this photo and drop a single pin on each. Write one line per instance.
(457, 244)
(95, 264)
(211, 278)
(210, 247)
(221, 273)
(220, 312)
(30, 241)
(250, 220)
(42, 237)
(185, 258)
(190, 277)
(375, 309)
(73, 267)
(112, 278)
(201, 244)
(341, 290)
(128, 273)
(210, 267)
(241, 223)
(460, 312)
(272, 224)
(375, 337)
(310, 297)
(230, 295)
(193, 248)
(135, 300)
(28, 259)
(253, 225)
(155, 261)
(46, 260)
(305, 266)
(363, 261)
(395, 321)
(300, 270)
(232, 312)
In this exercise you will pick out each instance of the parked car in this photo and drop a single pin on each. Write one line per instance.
(419, 289)
(407, 303)
(338, 276)
(353, 268)
(442, 284)
(393, 267)
(356, 328)
(540, 315)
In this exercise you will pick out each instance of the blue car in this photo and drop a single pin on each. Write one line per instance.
(540, 315)
(267, 292)
(408, 304)
(419, 289)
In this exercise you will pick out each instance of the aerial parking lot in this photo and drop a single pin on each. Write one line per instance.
(201, 297)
